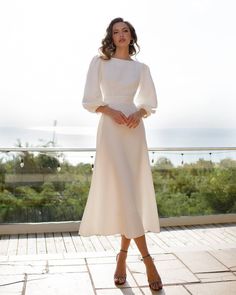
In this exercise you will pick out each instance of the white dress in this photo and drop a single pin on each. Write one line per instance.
(121, 198)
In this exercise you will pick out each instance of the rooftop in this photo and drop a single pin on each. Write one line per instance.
(196, 259)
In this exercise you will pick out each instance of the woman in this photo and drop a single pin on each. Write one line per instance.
(121, 197)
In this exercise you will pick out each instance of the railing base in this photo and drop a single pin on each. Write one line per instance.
(195, 220)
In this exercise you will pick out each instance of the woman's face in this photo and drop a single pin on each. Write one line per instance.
(121, 34)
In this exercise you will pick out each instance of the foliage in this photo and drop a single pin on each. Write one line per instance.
(191, 189)
(219, 190)
(195, 189)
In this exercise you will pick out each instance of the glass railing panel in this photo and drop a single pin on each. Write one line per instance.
(44, 185)
(190, 183)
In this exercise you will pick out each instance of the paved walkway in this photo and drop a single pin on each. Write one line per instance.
(191, 260)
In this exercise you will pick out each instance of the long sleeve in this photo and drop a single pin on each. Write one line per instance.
(93, 98)
(146, 97)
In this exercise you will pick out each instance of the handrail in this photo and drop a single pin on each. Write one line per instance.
(76, 149)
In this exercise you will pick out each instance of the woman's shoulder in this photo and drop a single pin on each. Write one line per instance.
(143, 67)
(141, 63)
(99, 58)
(96, 58)
(95, 62)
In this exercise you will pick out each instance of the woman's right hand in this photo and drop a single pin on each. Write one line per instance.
(116, 115)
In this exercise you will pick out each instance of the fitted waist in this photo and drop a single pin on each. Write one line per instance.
(126, 106)
(119, 99)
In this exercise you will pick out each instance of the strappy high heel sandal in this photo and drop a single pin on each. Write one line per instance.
(120, 280)
(157, 284)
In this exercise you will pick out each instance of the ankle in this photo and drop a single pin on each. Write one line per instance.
(123, 252)
(147, 259)
(146, 256)
(122, 255)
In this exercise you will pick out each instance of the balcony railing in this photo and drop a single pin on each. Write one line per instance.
(46, 187)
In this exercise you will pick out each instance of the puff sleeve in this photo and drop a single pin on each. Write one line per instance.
(93, 98)
(146, 97)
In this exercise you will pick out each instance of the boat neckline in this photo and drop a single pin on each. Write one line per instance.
(122, 59)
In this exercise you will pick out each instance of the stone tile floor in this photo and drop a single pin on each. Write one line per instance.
(186, 270)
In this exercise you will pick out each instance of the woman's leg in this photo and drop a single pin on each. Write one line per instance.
(120, 272)
(152, 273)
(125, 243)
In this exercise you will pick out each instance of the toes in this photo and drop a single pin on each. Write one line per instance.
(119, 280)
(156, 286)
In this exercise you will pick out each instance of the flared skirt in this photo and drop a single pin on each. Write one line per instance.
(121, 198)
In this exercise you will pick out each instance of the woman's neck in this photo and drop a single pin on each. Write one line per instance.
(122, 53)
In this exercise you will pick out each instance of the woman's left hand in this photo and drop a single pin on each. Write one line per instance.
(134, 119)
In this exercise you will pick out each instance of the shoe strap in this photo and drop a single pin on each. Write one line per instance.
(143, 257)
(148, 255)
(121, 250)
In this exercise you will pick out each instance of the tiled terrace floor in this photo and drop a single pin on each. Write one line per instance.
(191, 260)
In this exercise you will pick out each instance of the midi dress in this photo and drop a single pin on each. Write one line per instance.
(121, 198)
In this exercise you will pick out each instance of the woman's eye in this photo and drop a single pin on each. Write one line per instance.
(114, 33)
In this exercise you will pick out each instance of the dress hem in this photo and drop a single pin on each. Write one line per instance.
(118, 233)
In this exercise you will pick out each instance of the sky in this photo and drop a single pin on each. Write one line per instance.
(46, 47)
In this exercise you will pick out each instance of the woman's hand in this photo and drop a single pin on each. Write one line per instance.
(116, 115)
(120, 118)
(134, 119)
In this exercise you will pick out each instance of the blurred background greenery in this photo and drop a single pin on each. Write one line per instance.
(36, 187)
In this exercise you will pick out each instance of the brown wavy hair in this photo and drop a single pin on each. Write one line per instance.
(108, 48)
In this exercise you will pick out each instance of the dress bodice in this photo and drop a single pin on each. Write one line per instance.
(119, 81)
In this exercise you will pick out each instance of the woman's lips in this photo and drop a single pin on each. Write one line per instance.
(122, 40)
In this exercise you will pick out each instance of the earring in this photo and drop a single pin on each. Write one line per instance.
(131, 43)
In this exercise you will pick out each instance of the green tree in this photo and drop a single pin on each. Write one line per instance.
(219, 190)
